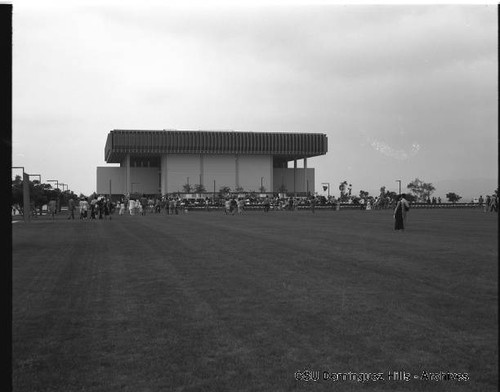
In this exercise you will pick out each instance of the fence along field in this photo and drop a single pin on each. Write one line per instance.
(206, 301)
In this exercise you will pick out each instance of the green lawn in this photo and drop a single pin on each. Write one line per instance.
(208, 302)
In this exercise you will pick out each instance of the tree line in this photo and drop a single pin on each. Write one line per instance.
(40, 195)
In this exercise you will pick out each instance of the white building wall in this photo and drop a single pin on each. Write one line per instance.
(179, 168)
(176, 168)
(116, 175)
(302, 184)
(222, 169)
(144, 180)
(254, 167)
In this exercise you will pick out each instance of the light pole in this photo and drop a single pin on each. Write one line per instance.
(399, 185)
(64, 185)
(328, 184)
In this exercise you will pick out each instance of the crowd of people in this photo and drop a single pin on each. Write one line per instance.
(489, 204)
(99, 207)
(102, 207)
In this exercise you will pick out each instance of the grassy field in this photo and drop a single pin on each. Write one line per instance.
(208, 302)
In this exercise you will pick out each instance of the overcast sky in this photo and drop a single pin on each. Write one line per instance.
(401, 91)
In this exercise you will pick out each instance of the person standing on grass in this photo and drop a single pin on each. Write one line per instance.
(131, 207)
(107, 207)
(241, 205)
(71, 208)
(84, 208)
(266, 204)
(177, 205)
(144, 204)
(313, 204)
(402, 207)
(233, 206)
(93, 202)
(227, 206)
(487, 203)
(52, 208)
(493, 207)
(122, 208)
(100, 206)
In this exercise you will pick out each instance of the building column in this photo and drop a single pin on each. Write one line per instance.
(202, 179)
(305, 176)
(294, 177)
(284, 166)
(237, 171)
(126, 163)
(271, 174)
(163, 174)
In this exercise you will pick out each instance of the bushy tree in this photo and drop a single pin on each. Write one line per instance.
(199, 188)
(453, 197)
(411, 198)
(345, 191)
(421, 190)
(40, 195)
(363, 194)
(187, 188)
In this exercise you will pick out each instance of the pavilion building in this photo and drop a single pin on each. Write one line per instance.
(163, 161)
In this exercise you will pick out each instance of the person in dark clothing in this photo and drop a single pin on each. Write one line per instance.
(100, 206)
(234, 206)
(402, 207)
(107, 208)
(267, 204)
(144, 204)
(313, 204)
(93, 207)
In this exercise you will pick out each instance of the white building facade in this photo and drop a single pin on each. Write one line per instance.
(163, 162)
